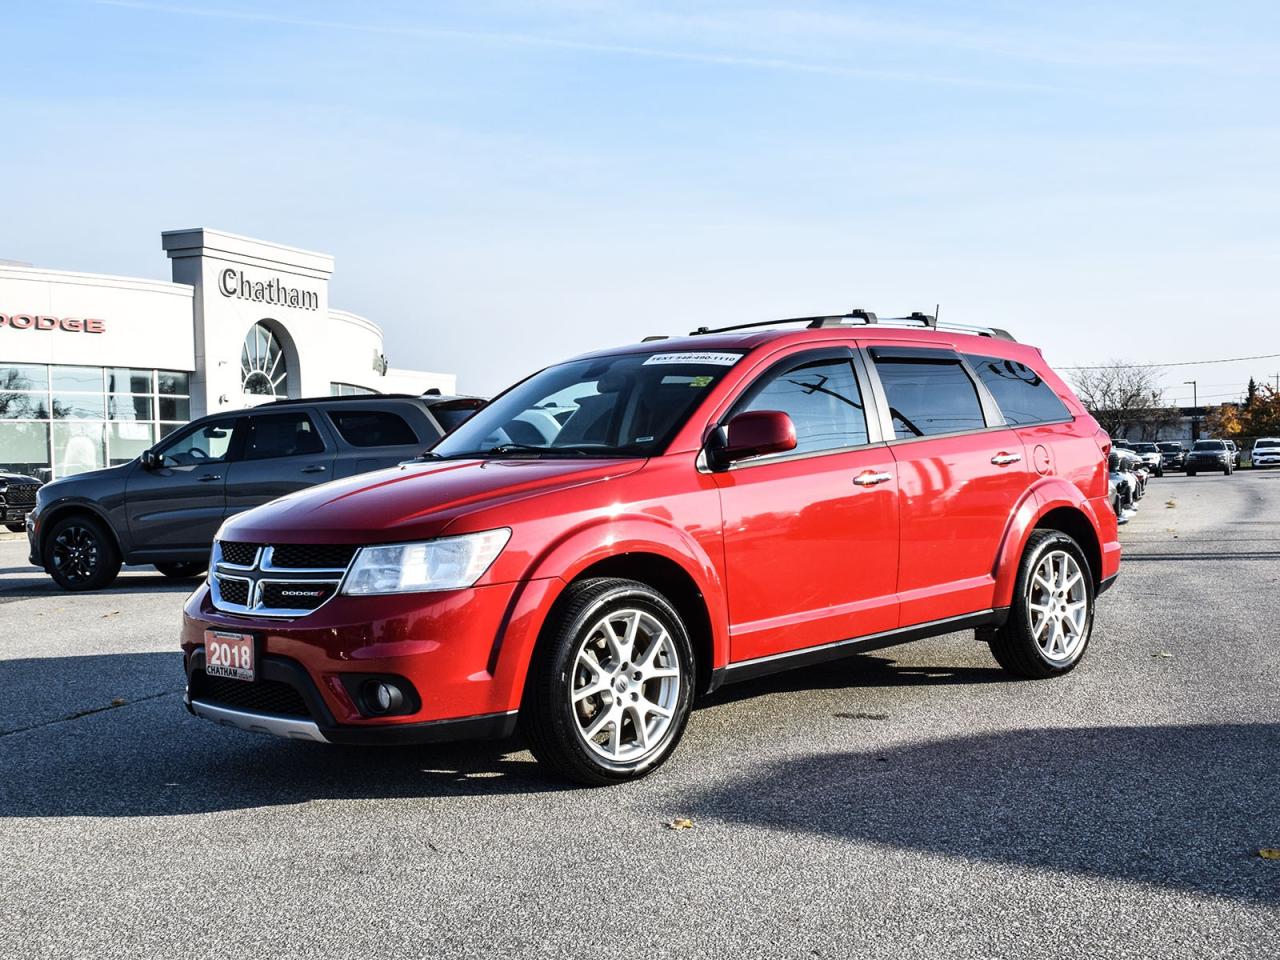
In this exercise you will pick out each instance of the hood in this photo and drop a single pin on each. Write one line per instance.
(414, 501)
(70, 486)
(6, 477)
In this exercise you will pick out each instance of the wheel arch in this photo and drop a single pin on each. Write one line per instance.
(1054, 505)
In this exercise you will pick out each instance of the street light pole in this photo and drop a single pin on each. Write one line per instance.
(1195, 410)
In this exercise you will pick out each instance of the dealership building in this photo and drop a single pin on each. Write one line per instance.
(94, 369)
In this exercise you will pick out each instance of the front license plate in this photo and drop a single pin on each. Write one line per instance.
(228, 654)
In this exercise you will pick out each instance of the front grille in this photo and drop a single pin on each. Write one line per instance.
(21, 495)
(241, 554)
(295, 595)
(234, 590)
(302, 556)
(260, 696)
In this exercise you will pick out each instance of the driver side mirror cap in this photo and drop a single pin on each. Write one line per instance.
(150, 460)
(753, 433)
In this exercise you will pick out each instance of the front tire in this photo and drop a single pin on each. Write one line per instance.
(14, 527)
(182, 569)
(1051, 619)
(611, 687)
(82, 554)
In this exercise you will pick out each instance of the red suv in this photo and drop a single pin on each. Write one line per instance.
(619, 533)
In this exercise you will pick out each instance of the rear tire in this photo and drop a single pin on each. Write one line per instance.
(1051, 619)
(82, 553)
(611, 686)
(182, 569)
(1191, 473)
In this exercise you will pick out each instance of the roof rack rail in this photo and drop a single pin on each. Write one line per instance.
(865, 318)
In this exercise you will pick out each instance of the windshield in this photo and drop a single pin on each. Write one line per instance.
(1146, 448)
(1209, 445)
(1170, 446)
(623, 405)
(1266, 443)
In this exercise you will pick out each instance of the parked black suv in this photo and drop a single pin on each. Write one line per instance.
(17, 496)
(1173, 454)
(165, 507)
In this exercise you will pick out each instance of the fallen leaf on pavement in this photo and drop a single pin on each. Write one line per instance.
(860, 715)
(111, 614)
(680, 823)
(119, 702)
(1269, 853)
(1163, 655)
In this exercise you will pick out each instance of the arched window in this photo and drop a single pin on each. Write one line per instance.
(264, 371)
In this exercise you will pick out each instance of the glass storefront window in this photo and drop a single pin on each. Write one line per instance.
(78, 447)
(23, 376)
(175, 408)
(24, 448)
(129, 408)
(128, 440)
(79, 406)
(128, 380)
(60, 420)
(80, 379)
(24, 406)
(173, 382)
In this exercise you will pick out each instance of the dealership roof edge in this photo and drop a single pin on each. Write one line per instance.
(37, 274)
(203, 241)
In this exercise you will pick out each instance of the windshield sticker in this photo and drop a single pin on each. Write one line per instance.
(699, 381)
(717, 359)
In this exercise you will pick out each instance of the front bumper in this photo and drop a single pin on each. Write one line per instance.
(464, 653)
(1269, 461)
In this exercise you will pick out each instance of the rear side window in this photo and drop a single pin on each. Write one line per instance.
(282, 435)
(373, 428)
(820, 395)
(1020, 393)
(929, 397)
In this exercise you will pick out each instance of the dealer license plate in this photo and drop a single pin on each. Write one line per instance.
(228, 654)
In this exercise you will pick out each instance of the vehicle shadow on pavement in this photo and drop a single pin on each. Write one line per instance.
(859, 670)
(1184, 806)
(107, 735)
(37, 584)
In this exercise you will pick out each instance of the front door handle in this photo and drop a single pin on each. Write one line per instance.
(869, 478)
(314, 468)
(209, 477)
(1003, 459)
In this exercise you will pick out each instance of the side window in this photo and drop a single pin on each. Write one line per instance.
(821, 396)
(1020, 393)
(373, 428)
(928, 397)
(209, 443)
(282, 435)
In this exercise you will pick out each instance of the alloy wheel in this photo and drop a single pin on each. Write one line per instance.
(75, 553)
(626, 685)
(1058, 601)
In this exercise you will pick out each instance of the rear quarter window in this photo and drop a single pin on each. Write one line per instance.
(373, 428)
(1021, 394)
(928, 397)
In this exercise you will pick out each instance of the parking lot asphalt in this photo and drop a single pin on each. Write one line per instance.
(913, 802)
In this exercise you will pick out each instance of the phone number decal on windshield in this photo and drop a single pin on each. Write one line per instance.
(718, 359)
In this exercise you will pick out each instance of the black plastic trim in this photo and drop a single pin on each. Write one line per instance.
(1107, 584)
(775, 663)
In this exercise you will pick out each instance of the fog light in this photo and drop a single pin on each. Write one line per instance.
(382, 697)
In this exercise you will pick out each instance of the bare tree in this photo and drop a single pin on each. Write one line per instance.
(1123, 397)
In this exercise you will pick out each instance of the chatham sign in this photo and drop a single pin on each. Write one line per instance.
(30, 321)
(233, 283)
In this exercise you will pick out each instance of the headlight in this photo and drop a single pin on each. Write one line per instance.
(450, 563)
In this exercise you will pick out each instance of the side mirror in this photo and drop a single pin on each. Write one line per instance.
(751, 434)
(150, 460)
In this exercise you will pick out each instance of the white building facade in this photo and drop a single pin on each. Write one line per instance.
(95, 369)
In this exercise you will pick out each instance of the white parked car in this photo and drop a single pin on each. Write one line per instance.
(1266, 452)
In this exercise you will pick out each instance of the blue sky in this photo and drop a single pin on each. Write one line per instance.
(504, 184)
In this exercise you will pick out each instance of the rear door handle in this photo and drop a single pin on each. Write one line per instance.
(1004, 459)
(314, 468)
(209, 477)
(870, 478)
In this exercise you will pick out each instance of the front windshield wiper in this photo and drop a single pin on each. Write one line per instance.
(534, 448)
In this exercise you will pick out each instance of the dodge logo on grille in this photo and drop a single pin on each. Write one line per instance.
(302, 593)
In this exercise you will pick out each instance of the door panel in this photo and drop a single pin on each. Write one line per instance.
(810, 556)
(283, 452)
(956, 505)
(180, 504)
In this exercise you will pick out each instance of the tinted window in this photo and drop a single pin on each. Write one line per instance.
(206, 444)
(282, 435)
(454, 413)
(1170, 446)
(1145, 448)
(1209, 445)
(1022, 396)
(928, 397)
(820, 395)
(373, 428)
